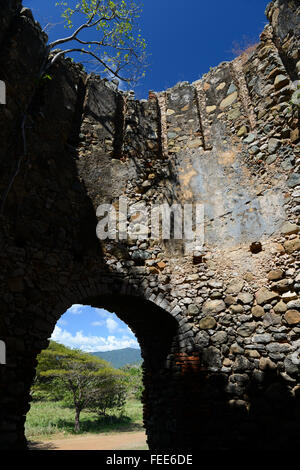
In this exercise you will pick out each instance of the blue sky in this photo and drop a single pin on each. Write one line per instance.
(93, 329)
(185, 38)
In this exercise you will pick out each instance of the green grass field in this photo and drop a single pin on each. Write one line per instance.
(50, 420)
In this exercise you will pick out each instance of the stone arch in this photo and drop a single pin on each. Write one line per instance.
(109, 285)
(160, 334)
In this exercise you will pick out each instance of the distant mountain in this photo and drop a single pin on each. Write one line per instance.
(120, 357)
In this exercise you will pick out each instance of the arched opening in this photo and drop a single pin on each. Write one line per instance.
(156, 332)
(68, 401)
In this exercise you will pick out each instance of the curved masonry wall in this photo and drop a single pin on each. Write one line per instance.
(219, 329)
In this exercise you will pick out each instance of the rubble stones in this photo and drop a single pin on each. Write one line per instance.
(280, 307)
(281, 81)
(229, 100)
(275, 274)
(235, 286)
(193, 309)
(293, 180)
(294, 304)
(283, 285)
(289, 229)
(262, 338)
(212, 307)
(273, 145)
(219, 337)
(292, 245)
(202, 339)
(264, 295)
(245, 297)
(246, 329)
(257, 311)
(292, 317)
(207, 323)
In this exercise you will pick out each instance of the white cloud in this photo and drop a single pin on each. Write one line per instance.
(92, 343)
(111, 325)
(76, 309)
(102, 313)
(98, 323)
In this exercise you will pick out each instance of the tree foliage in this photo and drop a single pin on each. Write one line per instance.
(134, 379)
(76, 377)
(107, 31)
(113, 396)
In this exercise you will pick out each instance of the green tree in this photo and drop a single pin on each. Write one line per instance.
(134, 379)
(44, 387)
(107, 31)
(76, 376)
(113, 396)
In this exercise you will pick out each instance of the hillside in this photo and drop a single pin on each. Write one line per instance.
(120, 357)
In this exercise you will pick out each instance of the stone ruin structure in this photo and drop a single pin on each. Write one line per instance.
(219, 329)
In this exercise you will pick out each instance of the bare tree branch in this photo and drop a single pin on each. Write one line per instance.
(80, 28)
(103, 44)
(114, 72)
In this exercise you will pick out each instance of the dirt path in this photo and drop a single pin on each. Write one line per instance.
(119, 441)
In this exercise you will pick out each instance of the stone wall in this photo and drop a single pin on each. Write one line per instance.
(218, 329)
